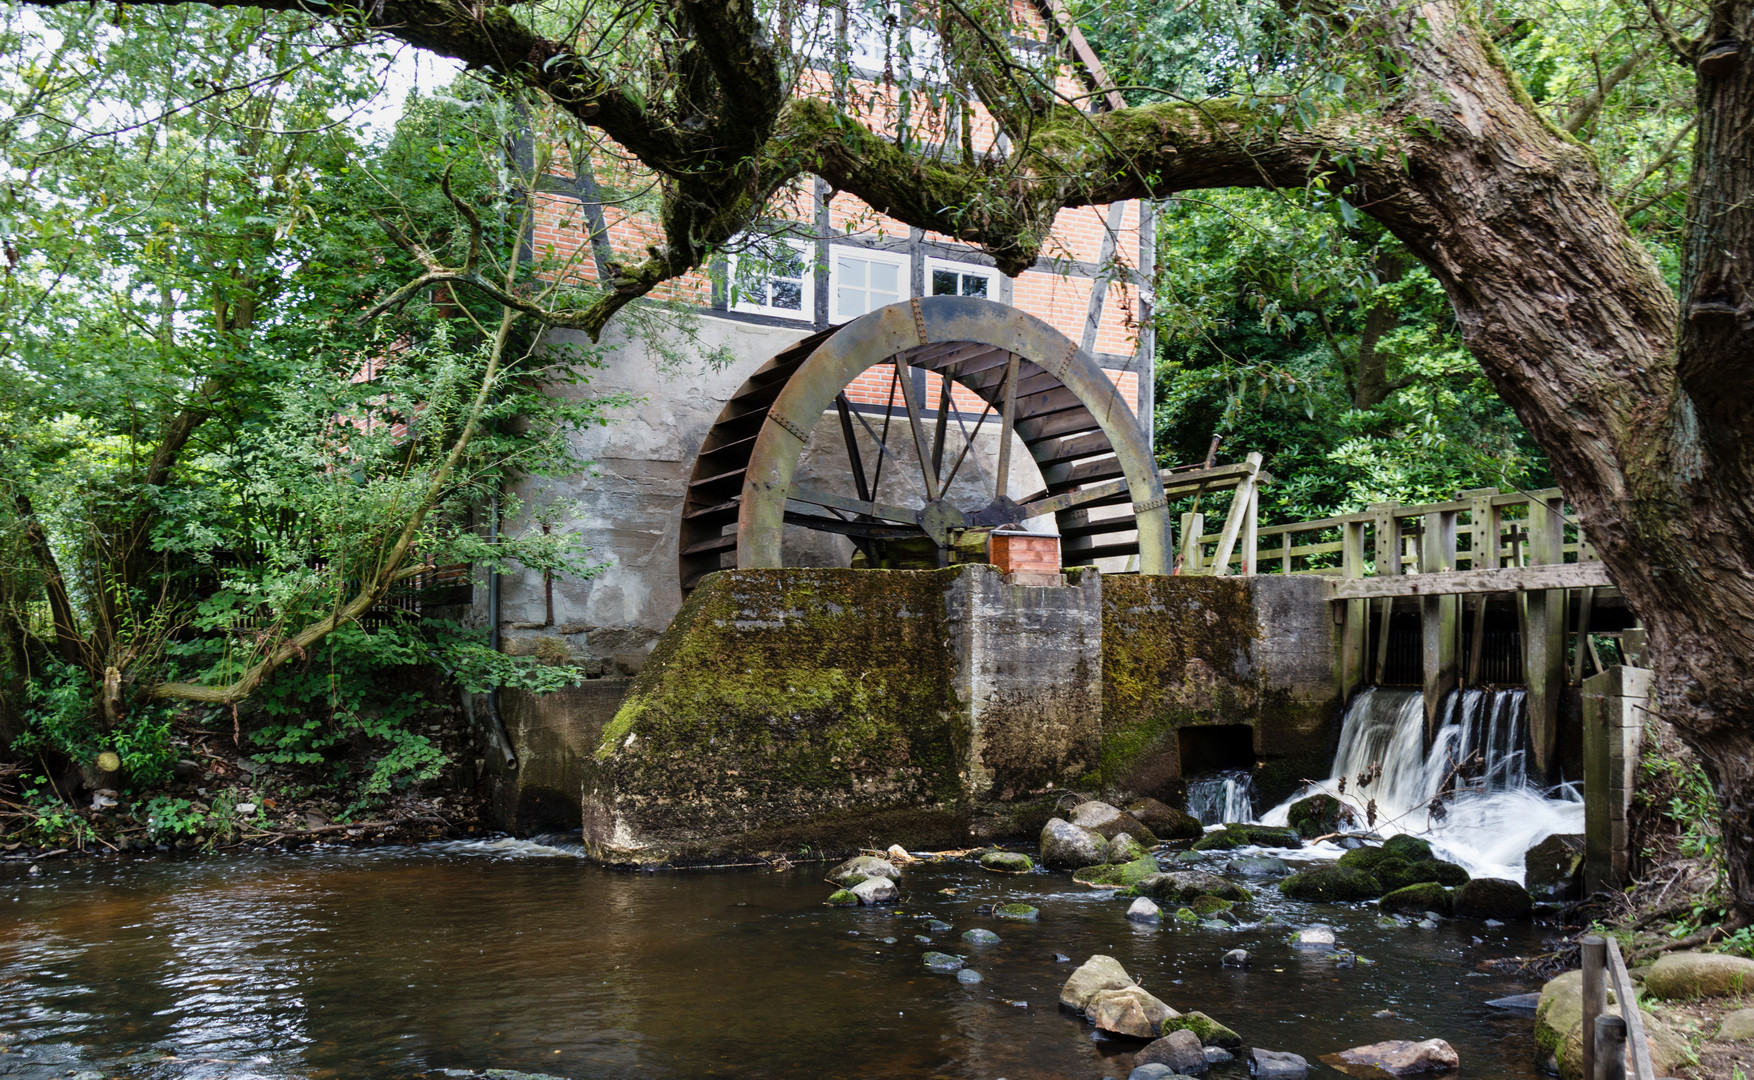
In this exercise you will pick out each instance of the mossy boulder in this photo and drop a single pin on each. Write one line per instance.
(1418, 899)
(1017, 912)
(1232, 837)
(1119, 876)
(1108, 821)
(1407, 846)
(1209, 1031)
(1397, 873)
(1065, 846)
(860, 867)
(1332, 884)
(1364, 858)
(1007, 862)
(842, 898)
(1186, 915)
(1166, 821)
(1210, 905)
(1318, 815)
(1696, 975)
(1492, 898)
(1123, 849)
(1559, 1028)
(1185, 886)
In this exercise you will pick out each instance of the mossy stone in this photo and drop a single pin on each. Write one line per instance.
(1493, 898)
(1418, 899)
(1166, 821)
(1364, 858)
(980, 936)
(1119, 876)
(1317, 815)
(1235, 836)
(1017, 912)
(1331, 884)
(1186, 915)
(1007, 862)
(1408, 847)
(1124, 849)
(1210, 905)
(842, 898)
(1209, 1031)
(1399, 873)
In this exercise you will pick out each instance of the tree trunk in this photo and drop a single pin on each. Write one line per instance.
(1373, 386)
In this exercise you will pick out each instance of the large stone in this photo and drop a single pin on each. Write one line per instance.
(1492, 898)
(1131, 1011)
(1397, 873)
(1166, 821)
(1152, 1070)
(1559, 1024)
(1399, 1057)
(860, 867)
(1553, 869)
(1065, 846)
(1143, 910)
(1407, 846)
(1124, 849)
(1180, 1050)
(1182, 886)
(1092, 977)
(1418, 899)
(1100, 817)
(1007, 862)
(1234, 836)
(1364, 858)
(1276, 1065)
(1209, 1031)
(1120, 877)
(1318, 815)
(1331, 884)
(1737, 1026)
(1257, 866)
(1696, 975)
(877, 890)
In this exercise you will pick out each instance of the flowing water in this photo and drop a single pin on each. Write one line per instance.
(1479, 753)
(1222, 797)
(399, 962)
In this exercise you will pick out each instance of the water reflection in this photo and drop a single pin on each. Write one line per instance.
(398, 962)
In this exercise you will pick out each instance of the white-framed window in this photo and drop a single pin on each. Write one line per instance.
(861, 280)
(946, 278)
(883, 32)
(773, 276)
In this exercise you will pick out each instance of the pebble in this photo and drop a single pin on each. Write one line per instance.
(980, 936)
(1217, 1055)
(1236, 958)
(887, 940)
(1427, 924)
(968, 976)
(943, 963)
(922, 939)
(1384, 1014)
(938, 926)
(1062, 958)
(245, 808)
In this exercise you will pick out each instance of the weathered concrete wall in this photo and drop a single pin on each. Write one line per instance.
(552, 735)
(831, 709)
(1180, 652)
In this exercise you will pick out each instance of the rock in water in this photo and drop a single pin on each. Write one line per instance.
(1017, 912)
(1331, 883)
(1153, 1071)
(1318, 815)
(1492, 898)
(1209, 1031)
(1275, 1065)
(1007, 862)
(1217, 1055)
(1183, 886)
(942, 963)
(1144, 911)
(842, 898)
(1101, 818)
(1124, 849)
(876, 890)
(980, 937)
(1065, 846)
(1120, 877)
(1095, 975)
(860, 868)
(1166, 821)
(1407, 846)
(1257, 866)
(1399, 1057)
(1520, 1002)
(1418, 899)
(1234, 836)
(968, 977)
(1236, 958)
(1314, 937)
(1694, 975)
(1180, 1050)
(1129, 1011)
(1553, 869)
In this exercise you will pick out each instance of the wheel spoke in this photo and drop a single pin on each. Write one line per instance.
(910, 398)
(943, 431)
(967, 445)
(884, 453)
(1007, 424)
(854, 458)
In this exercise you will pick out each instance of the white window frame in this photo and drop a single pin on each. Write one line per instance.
(869, 41)
(991, 273)
(898, 259)
(807, 300)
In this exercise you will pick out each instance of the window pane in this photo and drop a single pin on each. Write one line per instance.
(788, 295)
(851, 271)
(884, 277)
(787, 261)
(849, 303)
(944, 282)
(974, 285)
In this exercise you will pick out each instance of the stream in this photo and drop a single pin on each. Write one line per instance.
(512, 954)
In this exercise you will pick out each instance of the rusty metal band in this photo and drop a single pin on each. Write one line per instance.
(1151, 504)
(1066, 362)
(799, 433)
(919, 321)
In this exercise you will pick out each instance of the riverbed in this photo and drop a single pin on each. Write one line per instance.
(405, 961)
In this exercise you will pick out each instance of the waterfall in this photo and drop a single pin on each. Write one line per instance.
(1222, 797)
(1479, 752)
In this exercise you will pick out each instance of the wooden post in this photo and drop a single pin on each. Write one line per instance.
(1235, 522)
(1251, 534)
(1387, 529)
(1544, 638)
(1586, 601)
(1285, 552)
(1354, 615)
(1193, 527)
(1595, 996)
(1438, 616)
(1610, 1047)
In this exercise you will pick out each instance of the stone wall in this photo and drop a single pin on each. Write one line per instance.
(826, 710)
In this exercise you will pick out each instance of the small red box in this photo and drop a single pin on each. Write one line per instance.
(1027, 553)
